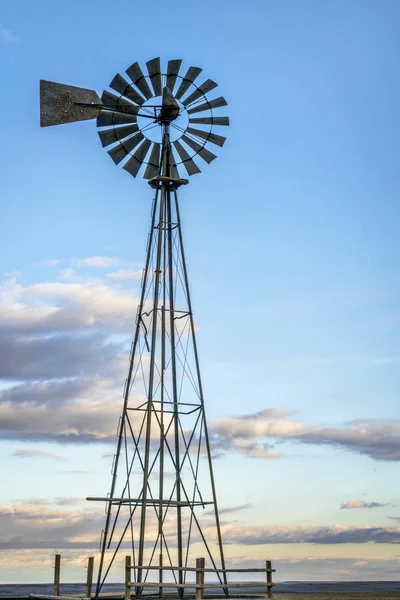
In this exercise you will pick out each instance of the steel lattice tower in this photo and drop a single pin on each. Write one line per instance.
(162, 502)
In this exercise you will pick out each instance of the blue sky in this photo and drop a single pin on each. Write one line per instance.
(292, 245)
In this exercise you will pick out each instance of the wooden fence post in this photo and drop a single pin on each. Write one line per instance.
(160, 575)
(200, 562)
(127, 577)
(269, 578)
(89, 578)
(57, 565)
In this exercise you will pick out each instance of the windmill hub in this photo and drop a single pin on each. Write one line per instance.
(170, 108)
(152, 129)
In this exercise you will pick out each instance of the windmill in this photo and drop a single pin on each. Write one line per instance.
(162, 502)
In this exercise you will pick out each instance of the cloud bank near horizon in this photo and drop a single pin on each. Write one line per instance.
(360, 504)
(288, 568)
(34, 523)
(64, 346)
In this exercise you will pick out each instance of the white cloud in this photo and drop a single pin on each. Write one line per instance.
(91, 302)
(6, 35)
(98, 262)
(254, 449)
(296, 534)
(270, 422)
(123, 274)
(360, 504)
(33, 501)
(69, 274)
(67, 500)
(73, 411)
(59, 501)
(59, 356)
(377, 438)
(30, 526)
(48, 526)
(34, 453)
(56, 306)
(50, 262)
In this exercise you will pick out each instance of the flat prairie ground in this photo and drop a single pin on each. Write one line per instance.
(340, 596)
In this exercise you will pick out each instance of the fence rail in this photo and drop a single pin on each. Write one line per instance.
(200, 584)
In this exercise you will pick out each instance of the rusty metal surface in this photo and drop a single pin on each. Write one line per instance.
(216, 103)
(172, 73)
(154, 162)
(188, 79)
(210, 120)
(138, 78)
(154, 71)
(219, 140)
(203, 89)
(119, 84)
(116, 134)
(135, 162)
(188, 162)
(57, 103)
(200, 150)
(122, 150)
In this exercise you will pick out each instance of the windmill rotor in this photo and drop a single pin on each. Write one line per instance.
(131, 118)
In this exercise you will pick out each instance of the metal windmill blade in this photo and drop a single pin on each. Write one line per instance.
(187, 161)
(153, 165)
(108, 119)
(172, 73)
(210, 120)
(119, 84)
(210, 104)
(118, 104)
(188, 79)
(154, 70)
(219, 140)
(123, 149)
(135, 162)
(116, 134)
(202, 90)
(138, 78)
(200, 150)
